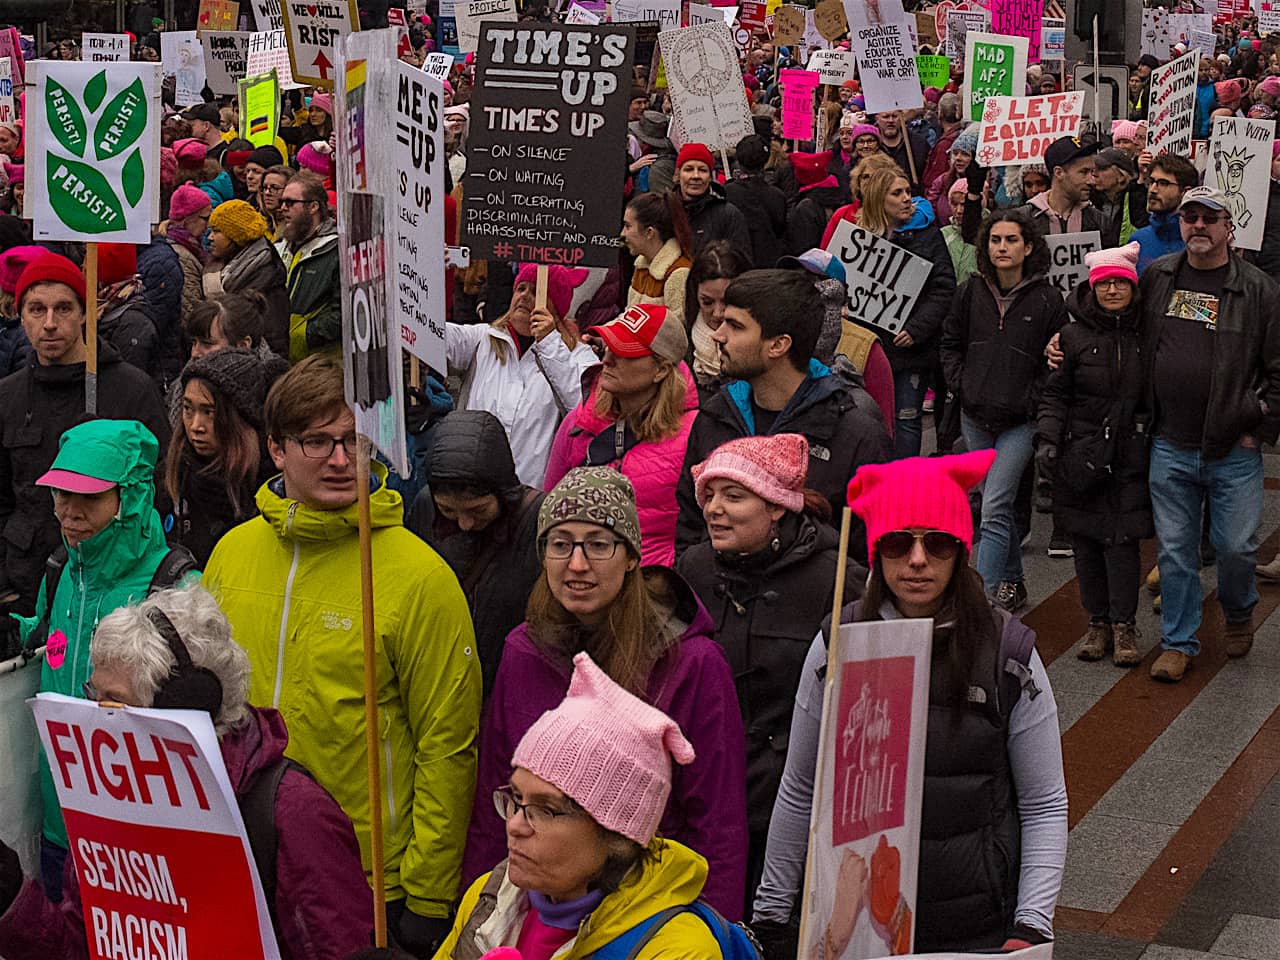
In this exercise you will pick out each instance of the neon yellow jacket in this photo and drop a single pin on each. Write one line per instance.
(289, 581)
(672, 876)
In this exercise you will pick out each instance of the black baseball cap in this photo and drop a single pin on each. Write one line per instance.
(202, 111)
(1115, 157)
(1065, 150)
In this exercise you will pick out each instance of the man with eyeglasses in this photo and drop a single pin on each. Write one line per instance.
(1168, 178)
(289, 582)
(308, 245)
(1213, 342)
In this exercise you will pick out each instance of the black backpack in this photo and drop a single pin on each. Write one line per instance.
(258, 810)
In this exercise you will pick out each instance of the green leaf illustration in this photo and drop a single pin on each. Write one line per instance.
(95, 90)
(81, 196)
(135, 177)
(66, 119)
(122, 121)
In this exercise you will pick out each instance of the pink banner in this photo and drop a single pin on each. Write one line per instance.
(1019, 18)
(797, 103)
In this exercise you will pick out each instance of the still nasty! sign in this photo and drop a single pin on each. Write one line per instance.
(884, 281)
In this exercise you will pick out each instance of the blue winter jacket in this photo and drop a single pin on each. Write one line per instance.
(1160, 236)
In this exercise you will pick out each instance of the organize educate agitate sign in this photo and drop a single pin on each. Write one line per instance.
(156, 837)
(1017, 130)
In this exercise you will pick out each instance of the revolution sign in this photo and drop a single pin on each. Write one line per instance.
(1017, 130)
(1172, 105)
(313, 30)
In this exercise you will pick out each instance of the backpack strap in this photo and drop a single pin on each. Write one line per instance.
(53, 567)
(258, 810)
(626, 946)
(175, 565)
(1014, 659)
(465, 947)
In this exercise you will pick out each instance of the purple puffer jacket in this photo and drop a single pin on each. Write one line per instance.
(323, 902)
(693, 685)
(653, 468)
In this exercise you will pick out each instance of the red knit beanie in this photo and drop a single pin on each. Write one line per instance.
(695, 151)
(928, 492)
(49, 268)
(116, 262)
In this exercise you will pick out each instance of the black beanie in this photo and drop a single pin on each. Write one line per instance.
(266, 157)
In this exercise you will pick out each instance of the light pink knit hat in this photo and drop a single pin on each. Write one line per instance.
(1113, 262)
(1124, 130)
(774, 468)
(608, 750)
(929, 492)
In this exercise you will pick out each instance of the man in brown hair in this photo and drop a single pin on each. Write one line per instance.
(308, 246)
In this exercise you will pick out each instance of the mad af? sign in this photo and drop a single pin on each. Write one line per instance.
(1017, 130)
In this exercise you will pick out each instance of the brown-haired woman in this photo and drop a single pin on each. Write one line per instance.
(713, 268)
(648, 632)
(656, 232)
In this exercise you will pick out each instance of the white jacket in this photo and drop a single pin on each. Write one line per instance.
(512, 387)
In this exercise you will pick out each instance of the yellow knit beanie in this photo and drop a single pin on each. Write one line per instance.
(238, 222)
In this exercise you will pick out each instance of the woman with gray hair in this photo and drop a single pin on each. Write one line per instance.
(174, 650)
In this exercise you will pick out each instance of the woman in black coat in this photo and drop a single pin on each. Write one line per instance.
(1094, 444)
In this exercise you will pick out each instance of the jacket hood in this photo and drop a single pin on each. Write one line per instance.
(921, 218)
(471, 447)
(73, 372)
(663, 261)
(1166, 225)
(1084, 308)
(817, 386)
(832, 196)
(253, 747)
(802, 539)
(685, 615)
(294, 520)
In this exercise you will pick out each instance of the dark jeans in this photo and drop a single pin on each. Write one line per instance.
(53, 861)
(1109, 578)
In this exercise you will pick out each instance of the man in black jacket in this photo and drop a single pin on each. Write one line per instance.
(41, 401)
(1065, 207)
(772, 319)
(762, 204)
(910, 151)
(1209, 421)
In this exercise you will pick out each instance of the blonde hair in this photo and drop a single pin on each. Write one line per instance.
(871, 215)
(869, 165)
(658, 419)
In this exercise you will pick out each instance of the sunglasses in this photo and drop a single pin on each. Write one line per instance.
(898, 543)
(1190, 217)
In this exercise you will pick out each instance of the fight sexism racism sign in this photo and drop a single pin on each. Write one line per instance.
(1017, 130)
(864, 847)
(159, 847)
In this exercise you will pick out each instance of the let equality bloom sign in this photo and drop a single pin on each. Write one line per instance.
(160, 851)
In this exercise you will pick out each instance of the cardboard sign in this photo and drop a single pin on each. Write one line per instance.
(665, 13)
(994, 66)
(470, 13)
(1240, 166)
(93, 128)
(1171, 106)
(269, 51)
(864, 846)
(226, 54)
(221, 15)
(829, 18)
(267, 15)
(104, 47)
(259, 99)
(887, 65)
(960, 23)
(833, 67)
(1269, 21)
(788, 25)
(707, 101)
(1018, 130)
(1067, 269)
(155, 831)
(1206, 41)
(438, 65)
(418, 214)
(183, 59)
(312, 31)
(797, 103)
(536, 189)
(1157, 36)
(884, 281)
(1053, 39)
(396, 17)
(934, 71)
(1019, 18)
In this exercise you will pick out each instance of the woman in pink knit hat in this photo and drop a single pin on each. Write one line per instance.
(993, 831)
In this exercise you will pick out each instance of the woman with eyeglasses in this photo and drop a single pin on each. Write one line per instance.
(1094, 445)
(992, 352)
(583, 863)
(648, 632)
(993, 830)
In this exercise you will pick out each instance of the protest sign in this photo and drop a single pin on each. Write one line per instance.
(104, 47)
(438, 65)
(883, 280)
(960, 23)
(7, 114)
(396, 17)
(579, 15)
(372, 358)
(887, 66)
(788, 25)
(1018, 130)
(183, 59)
(665, 13)
(707, 102)
(995, 66)
(1042, 951)
(753, 14)
(217, 15)
(829, 18)
(536, 189)
(11, 47)
(1067, 268)
(267, 51)
(225, 59)
(156, 835)
(1240, 166)
(867, 13)
(934, 71)
(703, 13)
(833, 66)
(1019, 18)
(1269, 21)
(418, 215)
(312, 31)
(1206, 41)
(864, 837)
(267, 15)
(259, 99)
(1053, 39)
(20, 811)
(1157, 36)
(469, 14)
(1171, 107)
(811, 39)
(797, 103)
(93, 130)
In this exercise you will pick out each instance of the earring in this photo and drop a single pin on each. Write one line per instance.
(774, 544)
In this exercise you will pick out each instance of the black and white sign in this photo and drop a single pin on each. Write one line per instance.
(884, 281)
(1067, 269)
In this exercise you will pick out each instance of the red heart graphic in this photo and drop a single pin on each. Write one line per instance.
(313, 10)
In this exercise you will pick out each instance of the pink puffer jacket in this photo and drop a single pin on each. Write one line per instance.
(652, 468)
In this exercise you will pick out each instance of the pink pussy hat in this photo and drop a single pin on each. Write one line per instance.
(608, 750)
(927, 492)
(1119, 262)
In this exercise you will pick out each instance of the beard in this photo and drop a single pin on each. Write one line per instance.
(741, 368)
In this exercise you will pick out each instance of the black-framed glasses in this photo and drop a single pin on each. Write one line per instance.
(1191, 217)
(1162, 183)
(539, 816)
(896, 544)
(561, 547)
(320, 447)
(287, 202)
(1112, 283)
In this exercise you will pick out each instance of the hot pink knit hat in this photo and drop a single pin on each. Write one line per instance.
(608, 750)
(927, 492)
(561, 282)
(1113, 262)
(187, 200)
(774, 468)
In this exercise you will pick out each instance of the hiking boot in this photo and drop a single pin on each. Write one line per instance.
(1011, 595)
(1126, 650)
(1096, 642)
(1153, 581)
(1239, 638)
(1270, 571)
(1060, 547)
(1170, 666)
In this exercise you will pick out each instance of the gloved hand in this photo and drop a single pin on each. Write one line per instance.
(10, 877)
(421, 936)
(10, 637)
(778, 941)
(1046, 458)
(976, 177)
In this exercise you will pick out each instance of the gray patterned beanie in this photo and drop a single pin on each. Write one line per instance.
(598, 495)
